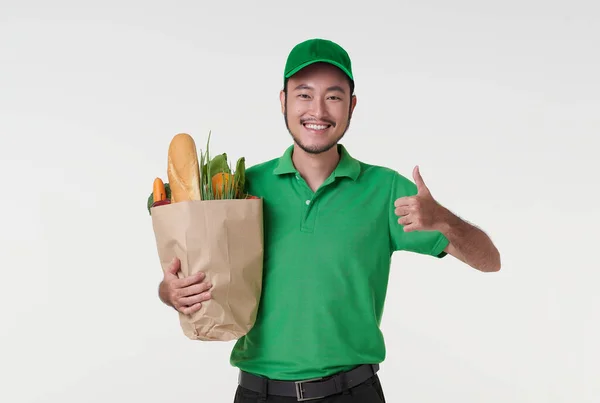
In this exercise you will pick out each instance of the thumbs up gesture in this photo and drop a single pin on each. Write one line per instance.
(419, 212)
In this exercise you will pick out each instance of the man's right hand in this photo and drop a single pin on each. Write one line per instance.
(184, 294)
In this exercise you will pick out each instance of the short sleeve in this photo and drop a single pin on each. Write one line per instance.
(430, 243)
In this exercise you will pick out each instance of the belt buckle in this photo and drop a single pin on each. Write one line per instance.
(300, 392)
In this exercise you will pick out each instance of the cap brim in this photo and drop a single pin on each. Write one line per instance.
(303, 65)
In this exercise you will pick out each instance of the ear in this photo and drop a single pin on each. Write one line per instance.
(352, 104)
(282, 100)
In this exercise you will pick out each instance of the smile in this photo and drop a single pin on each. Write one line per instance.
(316, 127)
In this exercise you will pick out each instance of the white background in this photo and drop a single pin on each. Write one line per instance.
(498, 104)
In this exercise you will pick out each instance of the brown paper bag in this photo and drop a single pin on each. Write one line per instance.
(224, 239)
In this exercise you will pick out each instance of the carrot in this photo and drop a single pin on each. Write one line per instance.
(159, 192)
(222, 181)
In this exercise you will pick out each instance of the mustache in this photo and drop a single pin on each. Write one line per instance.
(332, 123)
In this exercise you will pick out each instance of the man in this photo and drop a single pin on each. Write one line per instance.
(331, 226)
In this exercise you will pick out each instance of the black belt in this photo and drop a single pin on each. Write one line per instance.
(311, 388)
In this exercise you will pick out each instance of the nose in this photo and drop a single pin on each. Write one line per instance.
(317, 107)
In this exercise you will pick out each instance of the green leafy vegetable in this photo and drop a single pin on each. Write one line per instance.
(239, 178)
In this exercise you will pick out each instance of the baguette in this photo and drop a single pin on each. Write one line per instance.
(183, 169)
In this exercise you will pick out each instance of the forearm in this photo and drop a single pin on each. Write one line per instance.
(469, 243)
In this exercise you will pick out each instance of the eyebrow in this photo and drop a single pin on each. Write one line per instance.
(332, 88)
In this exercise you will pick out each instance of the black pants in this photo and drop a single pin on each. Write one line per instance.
(369, 391)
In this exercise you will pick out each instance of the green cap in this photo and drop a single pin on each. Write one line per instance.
(314, 51)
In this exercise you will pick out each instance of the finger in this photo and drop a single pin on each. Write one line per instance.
(195, 289)
(173, 267)
(406, 220)
(421, 188)
(194, 299)
(191, 309)
(411, 227)
(190, 280)
(404, 201)
(404, 210)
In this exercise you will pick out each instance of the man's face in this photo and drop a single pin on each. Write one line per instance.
(318, 107)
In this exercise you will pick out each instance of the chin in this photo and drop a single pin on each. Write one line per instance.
(316, 147)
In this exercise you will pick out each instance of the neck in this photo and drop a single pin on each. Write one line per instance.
(315, 168)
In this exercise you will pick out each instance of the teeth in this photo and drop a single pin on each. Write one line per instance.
(316, 127)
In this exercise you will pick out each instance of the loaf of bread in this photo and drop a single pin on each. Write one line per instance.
(183, 169)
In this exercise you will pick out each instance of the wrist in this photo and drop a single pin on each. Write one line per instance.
(446, 221)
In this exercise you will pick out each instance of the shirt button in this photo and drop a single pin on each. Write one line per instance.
(307, 202)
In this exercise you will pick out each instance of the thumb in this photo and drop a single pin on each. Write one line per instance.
(421, 187)
(173, 267)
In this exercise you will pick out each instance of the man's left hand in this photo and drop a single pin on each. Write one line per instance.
(420, 212)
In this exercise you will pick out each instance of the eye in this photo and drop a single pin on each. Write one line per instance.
(303, 96)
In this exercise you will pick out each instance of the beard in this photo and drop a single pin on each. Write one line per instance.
(315, 149)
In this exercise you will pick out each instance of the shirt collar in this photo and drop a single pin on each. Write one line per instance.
(347, 165)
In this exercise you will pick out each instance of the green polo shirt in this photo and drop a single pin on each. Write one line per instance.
(326, 266)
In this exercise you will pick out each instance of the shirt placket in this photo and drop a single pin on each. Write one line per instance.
(310, 203)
